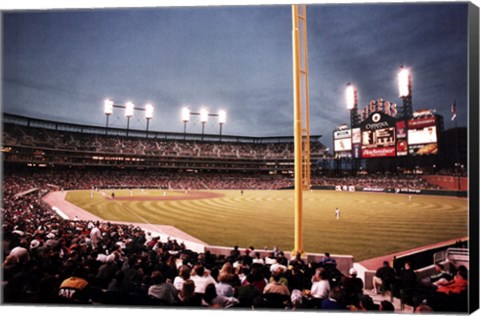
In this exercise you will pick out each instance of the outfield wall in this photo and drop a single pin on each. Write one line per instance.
(351, 188)
(448, 182)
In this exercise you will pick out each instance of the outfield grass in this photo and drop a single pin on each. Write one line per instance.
(371, 224)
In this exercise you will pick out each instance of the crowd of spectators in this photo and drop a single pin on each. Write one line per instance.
(49, 260)
(83, 142)
(445, 291)
(49, 146)
(88, 178)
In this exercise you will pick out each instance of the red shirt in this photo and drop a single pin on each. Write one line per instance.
(459, 284)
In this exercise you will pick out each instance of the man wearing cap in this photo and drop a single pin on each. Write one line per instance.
(35, 245)
(353, 287)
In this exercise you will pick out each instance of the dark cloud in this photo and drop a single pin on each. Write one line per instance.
(63, 64)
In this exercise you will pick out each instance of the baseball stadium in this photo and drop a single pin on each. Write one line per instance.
(372, 216)
(209, 196)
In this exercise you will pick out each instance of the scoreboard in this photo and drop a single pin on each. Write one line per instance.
(381, 135)
(378, 138)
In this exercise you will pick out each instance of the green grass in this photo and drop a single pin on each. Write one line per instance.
(371, 224)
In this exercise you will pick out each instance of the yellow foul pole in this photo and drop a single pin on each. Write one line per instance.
(301, 117)
(297, 121)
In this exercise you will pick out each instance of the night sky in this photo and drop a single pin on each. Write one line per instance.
(62, 64)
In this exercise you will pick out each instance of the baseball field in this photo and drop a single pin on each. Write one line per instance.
(370, 224)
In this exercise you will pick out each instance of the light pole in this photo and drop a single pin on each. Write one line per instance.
(107, 109)
(129, 107)
(352, 104)
(222, 118)
(405, 91)
(203, 119)
(185, 119)
(148, 115)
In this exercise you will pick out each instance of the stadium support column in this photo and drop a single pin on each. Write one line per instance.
(301, 118)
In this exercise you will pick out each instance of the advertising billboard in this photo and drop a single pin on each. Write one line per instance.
(347, 133)
(356, 136)
(402, 147)
(422, 136)
(401, 129)
(344, 144)
(342, 140)
(378, 152)
(378, 136)
(424, 149)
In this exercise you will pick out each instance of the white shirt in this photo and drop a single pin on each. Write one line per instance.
(178, 282)
(201, 282)
(95, 236)
(275, 266)
(320, 289)
(259, 260)
(270, 261)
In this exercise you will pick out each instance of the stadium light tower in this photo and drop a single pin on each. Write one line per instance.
(107, 109)
(129, 107)
(405, 91)
(185, 119)
(148, 115)
(203, 119)
(352, 104)
(204, 114)
(222, 118)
